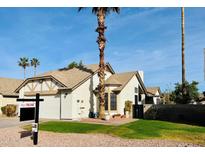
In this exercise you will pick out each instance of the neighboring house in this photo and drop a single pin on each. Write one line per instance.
(72, 93)
(7, 88)
(201, 98)
(153, 95)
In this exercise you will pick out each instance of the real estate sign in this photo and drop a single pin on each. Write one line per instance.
(27, 113)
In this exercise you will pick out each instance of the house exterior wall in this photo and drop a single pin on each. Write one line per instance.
(156, 98)
(141, 73)
(37, 86)
(128, 93)
(82, 99)
(6, 100)
(66, 105)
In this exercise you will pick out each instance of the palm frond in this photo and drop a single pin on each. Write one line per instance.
(80, 8)
(35, 62)
(23, 62)
(105, 10)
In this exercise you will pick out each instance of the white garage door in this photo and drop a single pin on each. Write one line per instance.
(50, 107)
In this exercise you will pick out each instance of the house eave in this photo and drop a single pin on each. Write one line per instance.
(38, 78)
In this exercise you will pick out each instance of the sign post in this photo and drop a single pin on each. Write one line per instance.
(36, 117)
(35, 133)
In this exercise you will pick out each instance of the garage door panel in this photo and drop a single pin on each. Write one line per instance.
(50, 107)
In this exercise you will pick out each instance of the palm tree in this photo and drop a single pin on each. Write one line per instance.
(35, 62)
(183, 54)
(23, 62)
(101, 13)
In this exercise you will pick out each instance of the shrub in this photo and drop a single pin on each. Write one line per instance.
(3, 110)
(9, 110)
(128, 105)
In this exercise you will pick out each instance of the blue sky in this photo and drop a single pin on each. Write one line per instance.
(147, 39)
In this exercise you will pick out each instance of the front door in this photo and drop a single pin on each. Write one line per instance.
(66, 106)
(138, 109)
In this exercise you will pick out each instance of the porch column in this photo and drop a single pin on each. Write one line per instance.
(108, 100)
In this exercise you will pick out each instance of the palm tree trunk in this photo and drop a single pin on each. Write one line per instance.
(34, 71)
(24, 71)
(183, 49)
(101, 44)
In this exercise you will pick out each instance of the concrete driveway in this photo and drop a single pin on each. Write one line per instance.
(6, 122)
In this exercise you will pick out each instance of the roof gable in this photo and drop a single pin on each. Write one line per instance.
(153, 90)
(122, 79)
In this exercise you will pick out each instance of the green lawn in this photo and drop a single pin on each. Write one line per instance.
(141, 129)
(74, 127)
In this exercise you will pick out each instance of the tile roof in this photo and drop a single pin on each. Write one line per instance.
(122, 79)
(153, 90)
(8, 86)
(70, 78)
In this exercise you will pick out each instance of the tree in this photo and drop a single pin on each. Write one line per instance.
(35, 62)
(101, 13)
(75, 64)
(80, 64)
(166, 95)
(183, 53)
(23, 62)
(192, 93)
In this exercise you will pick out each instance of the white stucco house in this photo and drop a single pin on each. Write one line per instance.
(72, 93)
(153, 95)
(7, 94)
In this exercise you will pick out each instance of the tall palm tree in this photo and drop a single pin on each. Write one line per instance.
(183, 52)
(35, 62)
(23, 62)
(101, 13)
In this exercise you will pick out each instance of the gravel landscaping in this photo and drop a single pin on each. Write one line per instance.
(10, 137)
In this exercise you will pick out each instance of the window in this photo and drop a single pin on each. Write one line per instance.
(149, 100)
(140, 97)
(136, 90)
(113, 101)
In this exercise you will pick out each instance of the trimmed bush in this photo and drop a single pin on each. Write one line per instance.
(3, 110)
(9, 110)
(128, 106)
